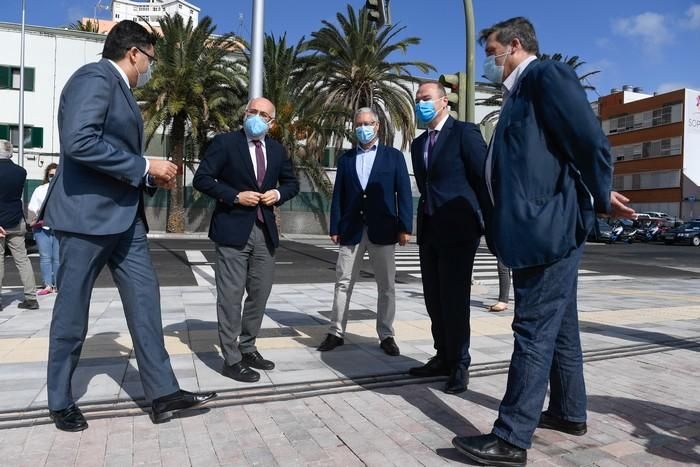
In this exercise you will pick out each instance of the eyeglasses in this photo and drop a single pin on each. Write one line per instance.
(358, 125)
(151, 58)
(265, 116)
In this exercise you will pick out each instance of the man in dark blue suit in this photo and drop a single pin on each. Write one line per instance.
(372, 210)
(548, 173)
(247, 173)
(95, 205)
(448, 162)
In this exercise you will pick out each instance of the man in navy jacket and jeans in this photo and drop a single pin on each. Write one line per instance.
(548, 173)
(372, 210)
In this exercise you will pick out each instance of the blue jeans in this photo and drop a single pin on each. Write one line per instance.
(547, 349)
(47, 243)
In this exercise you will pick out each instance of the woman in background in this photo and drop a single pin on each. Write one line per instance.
(46, 241)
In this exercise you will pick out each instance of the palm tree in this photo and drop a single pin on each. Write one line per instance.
(349, 67)
(87, 26)
(197, 88)
(496, 97)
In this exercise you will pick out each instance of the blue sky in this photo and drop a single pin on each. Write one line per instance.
(644, 43)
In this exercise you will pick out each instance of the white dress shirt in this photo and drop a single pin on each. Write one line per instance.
(508, 85)
(437, 128)
(364, 163)
(254, 159)
(126, 80)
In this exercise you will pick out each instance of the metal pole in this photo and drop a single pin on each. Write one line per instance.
(256, 62)
(471, 69)
(21, 90)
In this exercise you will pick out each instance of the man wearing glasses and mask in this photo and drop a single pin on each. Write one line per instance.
(371, 211)
(247, 173)
(95, 206)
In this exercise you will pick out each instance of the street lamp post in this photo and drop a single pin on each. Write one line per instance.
(255, 88)
(471, 69)
(21, 89)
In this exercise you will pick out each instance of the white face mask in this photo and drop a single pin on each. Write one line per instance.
(493, 71)
(144, 77)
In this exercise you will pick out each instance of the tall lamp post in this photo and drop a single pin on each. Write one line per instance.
(21, 89)
(255, 88)
(471, 69)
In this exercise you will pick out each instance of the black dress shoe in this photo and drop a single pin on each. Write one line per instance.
(389, 347)
(458, 381)
(69, 419)
(490, 450)
(255, 360)
(552, 422)
(240, 372)
(330, 343)
(163, 408)
(29, 305)
(434, 367)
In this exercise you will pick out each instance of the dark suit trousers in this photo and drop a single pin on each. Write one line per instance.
(446, 274)
(82, 257)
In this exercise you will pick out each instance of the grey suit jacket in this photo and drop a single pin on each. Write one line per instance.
(100, 178)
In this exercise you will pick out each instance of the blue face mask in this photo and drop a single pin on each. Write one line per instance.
(255, 126)
(365, 134)
(425, 111)
(492, 71)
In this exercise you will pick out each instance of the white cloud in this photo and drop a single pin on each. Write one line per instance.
(651, 28)
(692, 17)
(674, 85)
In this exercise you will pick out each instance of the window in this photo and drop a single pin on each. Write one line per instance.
(648, 149)
(33, 136)
(670, 113)
(9, 78)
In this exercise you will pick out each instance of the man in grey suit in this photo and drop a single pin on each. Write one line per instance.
(95, 205)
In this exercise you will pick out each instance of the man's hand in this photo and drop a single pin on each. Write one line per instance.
(163, 171)
(269, 197)
(2, 232)
(618, 207)
(249, 198)
(404, 238)
(335, 239)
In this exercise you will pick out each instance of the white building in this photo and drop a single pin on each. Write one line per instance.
(153, 10)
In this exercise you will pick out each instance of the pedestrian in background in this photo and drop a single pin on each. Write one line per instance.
(12, 179)
(247, 173)
(371, 210)
(503, 288)
(44, 236)
(447, 162)
(548, 159)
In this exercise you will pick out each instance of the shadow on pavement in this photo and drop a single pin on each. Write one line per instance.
(639, 335)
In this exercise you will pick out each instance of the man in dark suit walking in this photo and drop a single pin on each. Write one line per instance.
(371, 210)
(241, 171)
(95, 205)
(13, 225)
(548, 174)
(448, 162)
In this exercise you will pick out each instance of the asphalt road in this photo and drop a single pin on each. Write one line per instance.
(180, 262)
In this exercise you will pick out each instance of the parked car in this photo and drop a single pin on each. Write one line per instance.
(686, 233)
(604, 233)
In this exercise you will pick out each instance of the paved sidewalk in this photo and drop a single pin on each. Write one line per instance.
(354, 405)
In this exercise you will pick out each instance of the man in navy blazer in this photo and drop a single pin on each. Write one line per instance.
(371, 210)
(548, 174)
(95, 205)
(448, 161)
(247, 173)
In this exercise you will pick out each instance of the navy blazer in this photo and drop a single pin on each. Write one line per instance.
(226, 170)
(12, 178)
(452, 186)
(99, 183)
(385, 207)
(552, 169)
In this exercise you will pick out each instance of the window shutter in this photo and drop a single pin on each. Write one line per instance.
(37, 137)
(29, 79)
(5, 77)
(5, 132)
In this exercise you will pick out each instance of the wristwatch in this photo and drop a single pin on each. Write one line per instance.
(237, 199)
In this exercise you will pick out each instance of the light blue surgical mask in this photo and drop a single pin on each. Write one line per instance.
(365, 134)
(255, 126)
(492, 71)
(425, 111)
